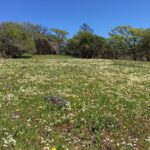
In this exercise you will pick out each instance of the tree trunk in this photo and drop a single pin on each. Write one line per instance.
(134, 55)
(148, 55)
(116, 55)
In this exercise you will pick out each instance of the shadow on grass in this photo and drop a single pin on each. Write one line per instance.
(25, 57)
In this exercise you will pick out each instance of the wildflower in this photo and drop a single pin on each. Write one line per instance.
(54, 148)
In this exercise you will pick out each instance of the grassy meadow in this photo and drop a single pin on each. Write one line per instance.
(108, 104)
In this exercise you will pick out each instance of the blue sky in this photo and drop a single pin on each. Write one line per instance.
(101, 15)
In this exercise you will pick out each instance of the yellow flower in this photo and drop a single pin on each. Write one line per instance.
(54, 148)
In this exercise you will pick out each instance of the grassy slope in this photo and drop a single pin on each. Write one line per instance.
(108, 104)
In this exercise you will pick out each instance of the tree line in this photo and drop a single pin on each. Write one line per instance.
(124, 42)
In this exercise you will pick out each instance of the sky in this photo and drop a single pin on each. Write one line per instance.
(101, 15)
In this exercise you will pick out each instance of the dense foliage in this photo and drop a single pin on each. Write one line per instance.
(86, 45)
(14, 40)
(124, 42)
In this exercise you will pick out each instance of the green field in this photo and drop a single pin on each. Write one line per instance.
(108, 104)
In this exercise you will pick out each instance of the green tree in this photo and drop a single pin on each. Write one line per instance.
(35, 30)
(60, 36)
(145, 43)
(116, 47)
(14, 41)
(131, 36)
(42, 38)
(86, 45)
(86, 27)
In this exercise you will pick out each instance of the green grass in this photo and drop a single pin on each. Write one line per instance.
(51, 57)
(107, 104)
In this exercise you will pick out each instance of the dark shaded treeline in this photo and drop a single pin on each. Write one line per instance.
(124, 42)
